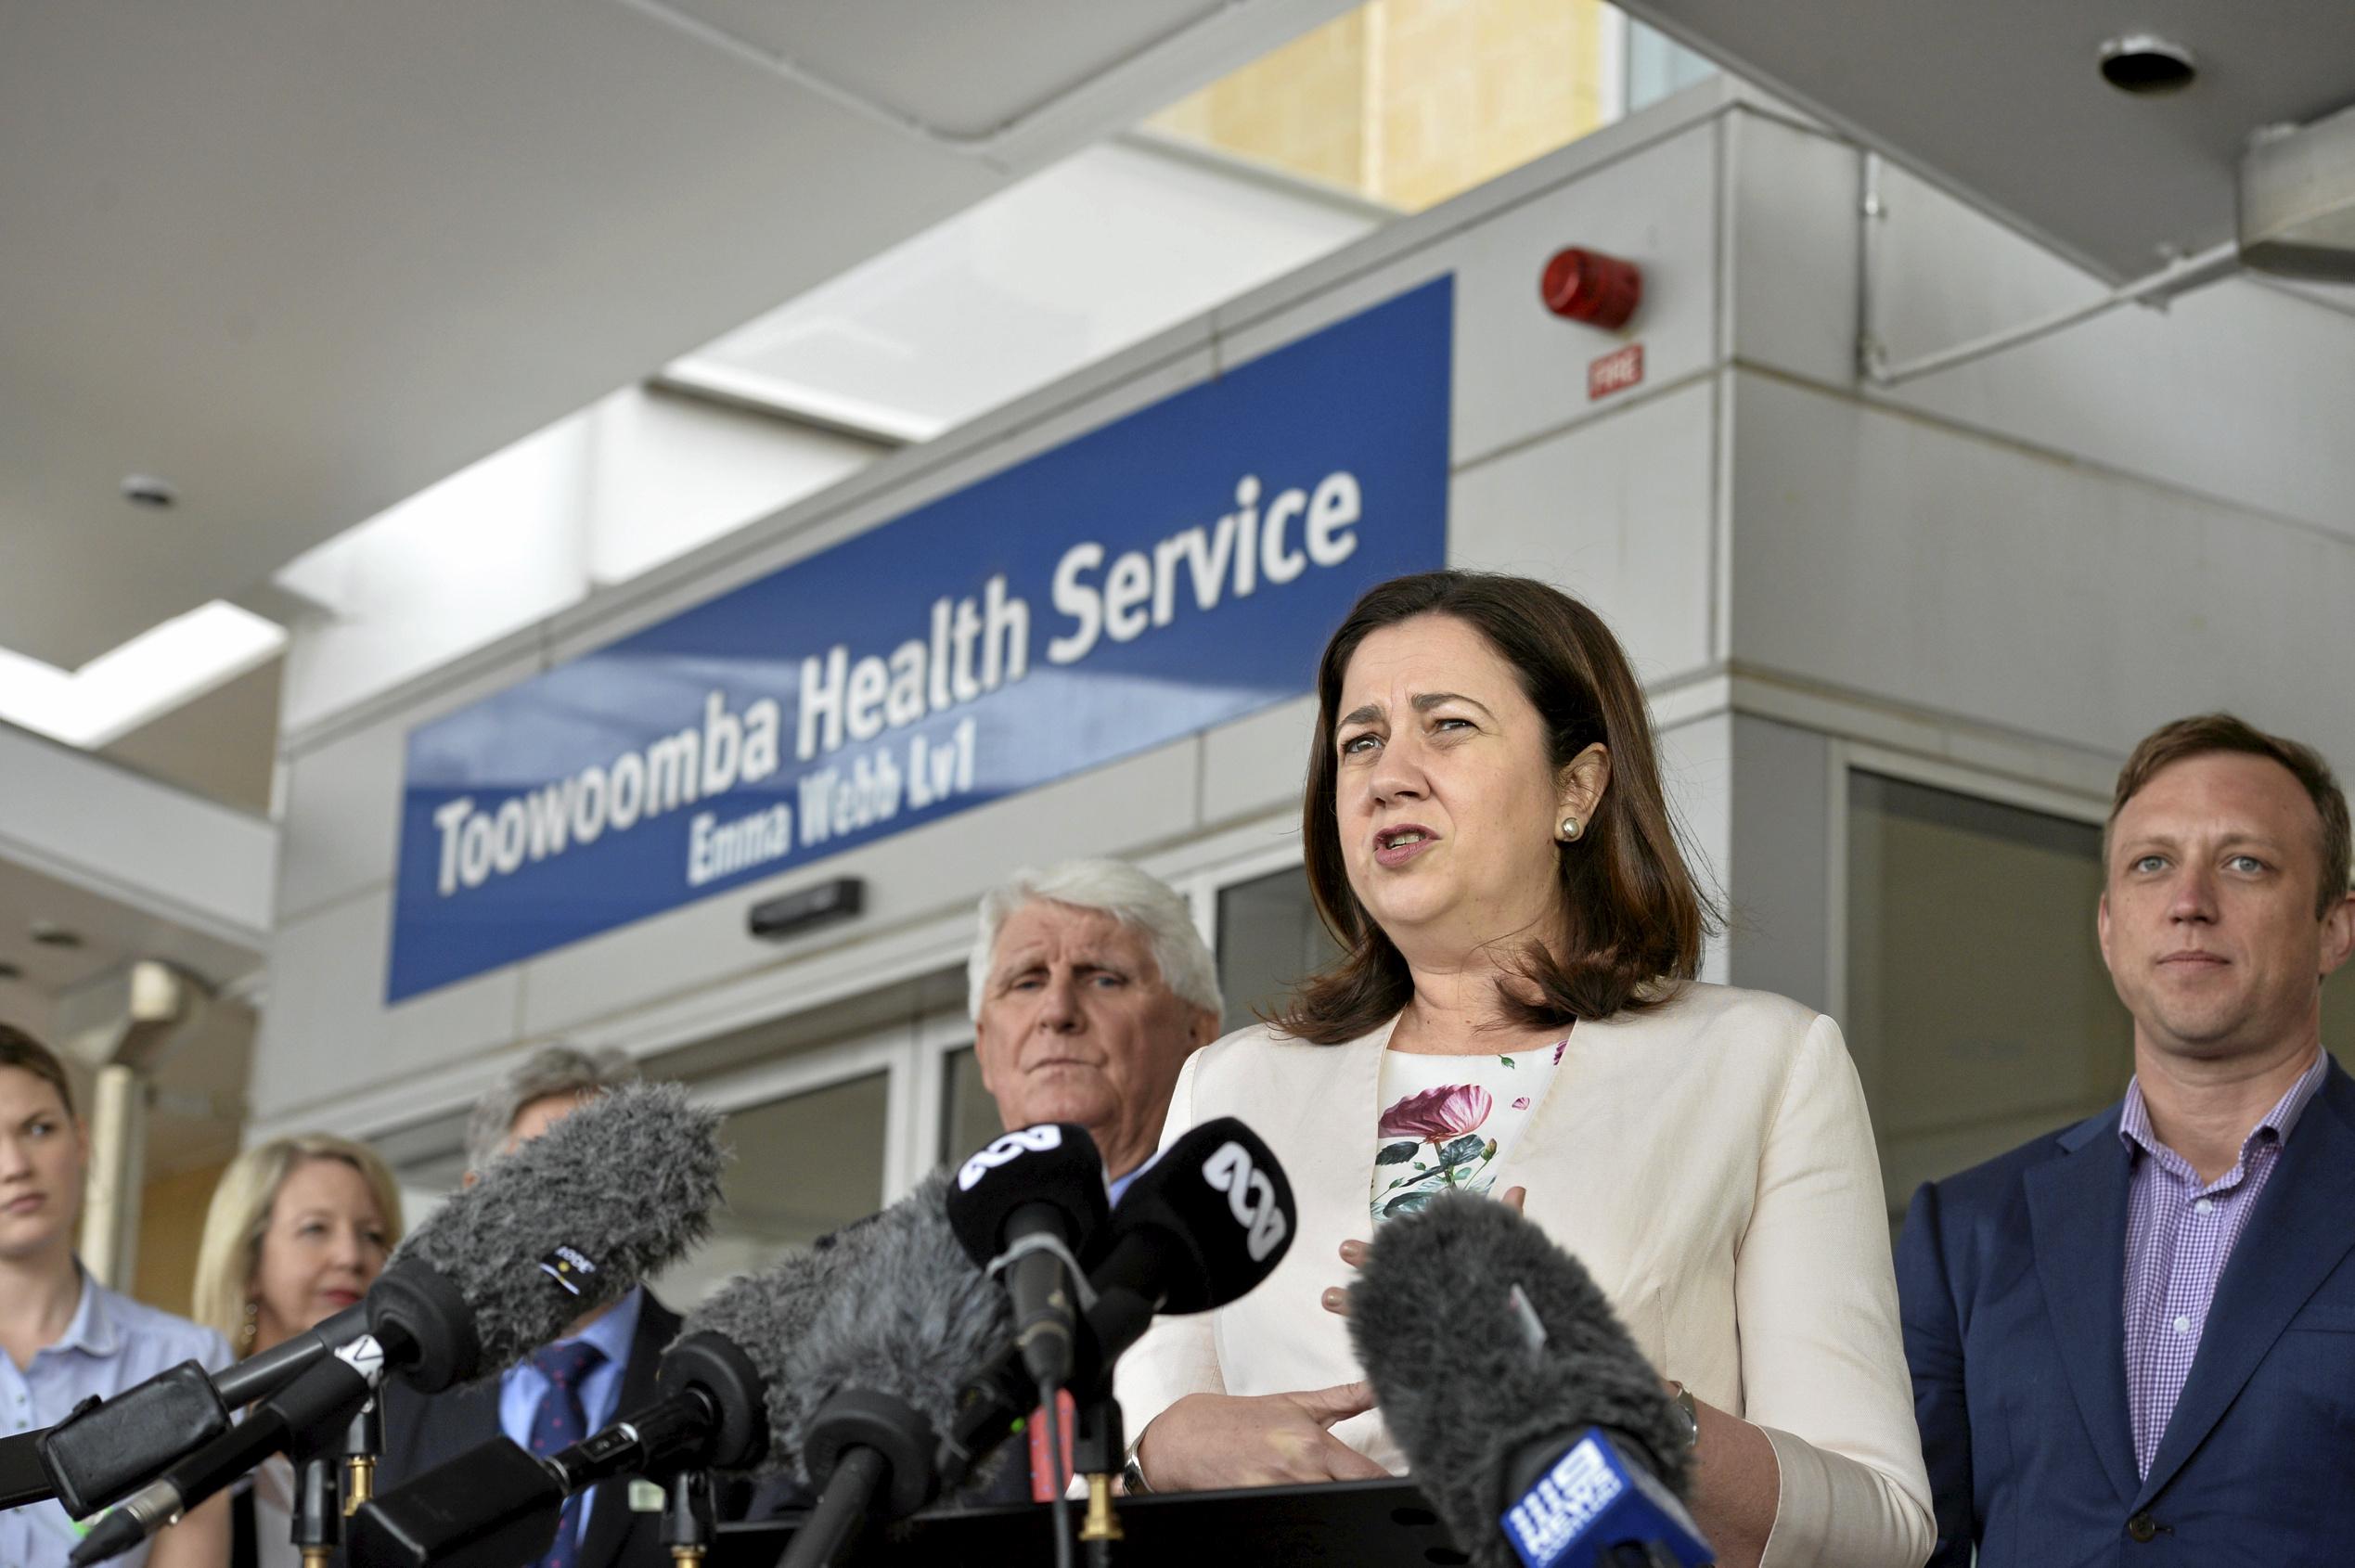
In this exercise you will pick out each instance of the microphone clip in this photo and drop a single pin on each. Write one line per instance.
(1022, 1246)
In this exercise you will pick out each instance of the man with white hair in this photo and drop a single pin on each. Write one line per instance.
(1090, 987)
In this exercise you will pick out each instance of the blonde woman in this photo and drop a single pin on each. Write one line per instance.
(299, 1231)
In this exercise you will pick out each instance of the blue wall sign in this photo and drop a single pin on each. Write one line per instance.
(1169, 572)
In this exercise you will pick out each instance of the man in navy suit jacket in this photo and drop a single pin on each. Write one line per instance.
(2135, 1342)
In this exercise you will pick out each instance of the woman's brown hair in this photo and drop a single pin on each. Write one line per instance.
(1636, 917)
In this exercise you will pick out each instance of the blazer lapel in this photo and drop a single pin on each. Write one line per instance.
(2077, 1215)
(611, 1520)
(2297, 1235)
(1327, 1140)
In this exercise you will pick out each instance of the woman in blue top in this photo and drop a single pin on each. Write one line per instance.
(66, 1337)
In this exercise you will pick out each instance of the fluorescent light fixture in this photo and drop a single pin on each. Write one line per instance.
(154, 672)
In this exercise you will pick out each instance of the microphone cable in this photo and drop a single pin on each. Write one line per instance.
(1058, 1483)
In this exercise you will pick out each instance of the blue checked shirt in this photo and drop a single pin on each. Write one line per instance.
(2180, 1233)
(111, 1343)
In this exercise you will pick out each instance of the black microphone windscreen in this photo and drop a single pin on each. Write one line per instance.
(573, 1219)
(1220, 1194)
(900, 1310)
(1055, 1163)
(1447, 1348)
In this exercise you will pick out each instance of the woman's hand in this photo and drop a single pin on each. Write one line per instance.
(1206, 1441)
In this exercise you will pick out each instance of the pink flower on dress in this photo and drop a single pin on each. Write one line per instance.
(1558, 1050)
(1522, 1104)
(1436, 1115)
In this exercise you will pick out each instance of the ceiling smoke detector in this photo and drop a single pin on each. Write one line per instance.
(146, 490)
(2146, 65)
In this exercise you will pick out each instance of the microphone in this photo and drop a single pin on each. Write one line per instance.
(495, 1505)
(1199, 1226)
(1518, 1397)
(1028, 1206)
(880, 1367)
(566, 1224)
(104, 1448)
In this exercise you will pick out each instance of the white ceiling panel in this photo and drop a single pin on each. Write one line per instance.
(2003, 102)
(949, 66)
(303, 260)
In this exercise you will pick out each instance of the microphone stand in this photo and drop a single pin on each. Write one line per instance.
(319, 1509)
(687, 1517)
(331, 1484)
(363, 1444)
(1099, 1454)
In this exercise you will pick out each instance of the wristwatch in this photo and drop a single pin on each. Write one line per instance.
(1688, 1418)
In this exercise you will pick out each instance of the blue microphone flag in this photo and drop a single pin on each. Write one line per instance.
(1592, 1502)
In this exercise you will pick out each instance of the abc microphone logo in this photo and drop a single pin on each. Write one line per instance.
(1044, 1138)
(1250, 1195)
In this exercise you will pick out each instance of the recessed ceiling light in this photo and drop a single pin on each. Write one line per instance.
(155, 671)
(51, 935)
(2144, 65)
(146, 490)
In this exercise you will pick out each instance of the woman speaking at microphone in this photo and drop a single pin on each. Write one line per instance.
(299, 1229)
(1516, 1013)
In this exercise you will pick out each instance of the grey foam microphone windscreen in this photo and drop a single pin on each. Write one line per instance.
(903, 1312)
(1467, 1398)
(571, 1220)
(767, 1316)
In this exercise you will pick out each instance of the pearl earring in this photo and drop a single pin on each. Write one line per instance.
(252, 1322)
(1570, 829)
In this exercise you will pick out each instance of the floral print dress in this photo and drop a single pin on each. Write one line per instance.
(1448, 1119)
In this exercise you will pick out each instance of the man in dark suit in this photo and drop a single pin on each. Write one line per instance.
(603, 1365)
(2135, 1342)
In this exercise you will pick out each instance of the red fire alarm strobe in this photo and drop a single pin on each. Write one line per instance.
(1591, 286)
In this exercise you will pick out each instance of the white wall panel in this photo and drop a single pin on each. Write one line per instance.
(1258, 764)
(1943, 571)
(2238, 390)
(103, 829)
(483, 554)
(326, 1032)
(1780, 905)
(1519, 371)
(667, 473)
(1616, 510)
(340, 822)
(1792, 250)
(1696, 772)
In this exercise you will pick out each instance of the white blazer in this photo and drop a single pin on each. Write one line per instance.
(1711, 1163)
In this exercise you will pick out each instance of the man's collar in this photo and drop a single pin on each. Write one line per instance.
(2134, 1116)
(613, 1331)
